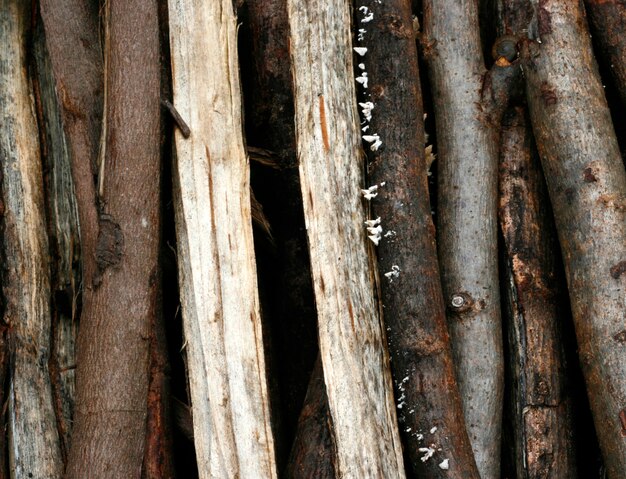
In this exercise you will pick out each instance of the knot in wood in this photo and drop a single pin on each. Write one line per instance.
(505, 47)
(461, 302)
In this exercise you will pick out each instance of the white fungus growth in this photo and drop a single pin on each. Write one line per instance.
(368, 16)
(376, 239)
(365, 128)
(361, 34)
(445, 464)
(373, 222)
(375, 230)
(390, 234)
(374, 140)
(362, 79)
(360, 50)
(428, 453)
(433, 430)
(419, 436)
(370, 192)
(367, 108)
(362, 66)
(394, 273)
(383, 183)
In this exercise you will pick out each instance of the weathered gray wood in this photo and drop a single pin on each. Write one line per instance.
(354, 358)
(218, 283)
(63, 237)
(587, 186)
(467, 145)
(34, 449)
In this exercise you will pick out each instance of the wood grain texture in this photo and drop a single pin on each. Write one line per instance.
(541, 406)
(467, 146)
(63, 236)
(218, 285)
(34, 448)
(354, 358)
(587, 186)
(425, 382)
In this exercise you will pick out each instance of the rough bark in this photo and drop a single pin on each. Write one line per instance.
(354, 358)
(313, 451)
(608, 25)
(219, 297)
(468, 106)
(63, 236)
(158, 461)
(293, 321)
(541, 405)
(428, 401)
(587, 186)
(120, 289)
(34, 447)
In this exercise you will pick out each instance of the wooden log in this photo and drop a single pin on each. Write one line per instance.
(587, 186)
(429, 405)
(354, 358)
(541, 406)
(312, 454)
(63, 237)
(34, 448)
(217, 271)
(120, 296)
(469, 102)
(608, 25)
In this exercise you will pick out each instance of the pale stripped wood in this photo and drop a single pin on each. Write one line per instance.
(355, 361)
(33, 439)
(218, 284)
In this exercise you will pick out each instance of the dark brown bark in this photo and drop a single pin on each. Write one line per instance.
(313, 452)
(541, 404)
(290, 317)
(608, 25)
(120, 286)
(469, 102)
(587, 186)
(427, 396)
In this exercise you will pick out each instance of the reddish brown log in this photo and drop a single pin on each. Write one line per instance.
(120, 295)
(587, 186)
(429, 406)
(312, 455)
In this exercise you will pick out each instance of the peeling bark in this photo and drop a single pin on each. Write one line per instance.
(541, 404)
(34, 447)
(469, 102)
(232, 430)
(352, 350)
(587, 186)
(427, 394)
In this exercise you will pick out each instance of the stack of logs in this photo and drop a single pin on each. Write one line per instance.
(390, 315)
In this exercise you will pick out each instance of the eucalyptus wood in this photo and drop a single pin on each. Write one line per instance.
(354, 358)
(587, 186)
(218, 285)
(34, 448)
